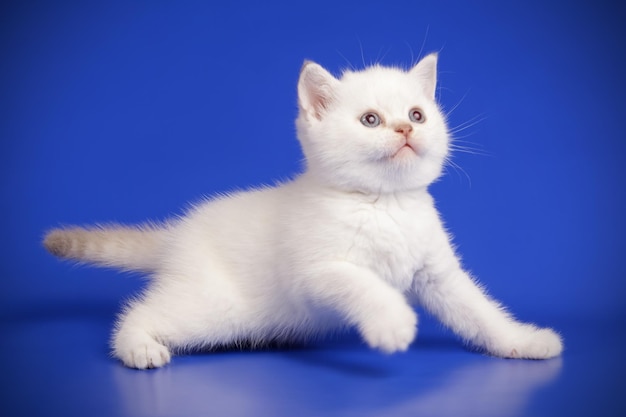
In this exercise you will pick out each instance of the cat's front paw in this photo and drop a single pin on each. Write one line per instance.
(392, 329)
(144, 354)
(529, 342)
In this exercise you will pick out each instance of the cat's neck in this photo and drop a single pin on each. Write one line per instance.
(316, 185)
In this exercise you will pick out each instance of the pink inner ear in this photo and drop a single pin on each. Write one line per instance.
(315, 89)
(318, 104)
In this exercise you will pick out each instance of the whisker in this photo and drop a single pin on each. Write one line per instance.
(362, 54)
(449, 112)
(457, 143)
(352, 67)
(468, 150)
(380, 60)
(446, 89)
(423, 42)
(412, 54)
(470, 123)
(457, 168)
(467, 135)
(457, 140)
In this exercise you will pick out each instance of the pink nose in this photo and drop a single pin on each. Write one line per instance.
(405, 129)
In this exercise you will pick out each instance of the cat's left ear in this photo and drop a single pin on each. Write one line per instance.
(426, 71)
(316, 89)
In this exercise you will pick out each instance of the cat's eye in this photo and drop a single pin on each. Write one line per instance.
(370, 119)
(417, 116)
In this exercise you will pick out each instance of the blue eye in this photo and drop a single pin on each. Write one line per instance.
(417, 116)
(370, 119)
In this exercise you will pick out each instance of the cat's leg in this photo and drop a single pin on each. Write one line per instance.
(380, 313)
(180, 311)
(452, 296)
(134, 339)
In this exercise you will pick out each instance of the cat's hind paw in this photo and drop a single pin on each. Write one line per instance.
(146, 354)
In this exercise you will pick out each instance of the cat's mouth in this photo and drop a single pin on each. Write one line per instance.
(405, 150)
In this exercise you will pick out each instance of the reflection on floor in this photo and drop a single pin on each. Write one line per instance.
(60, 366)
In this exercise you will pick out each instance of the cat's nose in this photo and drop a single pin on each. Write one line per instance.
(403, 128)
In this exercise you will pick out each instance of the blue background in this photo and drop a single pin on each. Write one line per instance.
(127, 111)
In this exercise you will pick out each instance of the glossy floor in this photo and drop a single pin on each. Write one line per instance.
(55, 363)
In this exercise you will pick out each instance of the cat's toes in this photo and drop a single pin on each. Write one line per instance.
(540, 344)
(391, 331)
(144, 355)
(532, 343)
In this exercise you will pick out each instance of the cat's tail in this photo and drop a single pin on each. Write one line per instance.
(130, 248)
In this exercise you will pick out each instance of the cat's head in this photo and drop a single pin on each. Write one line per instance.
(375, 130)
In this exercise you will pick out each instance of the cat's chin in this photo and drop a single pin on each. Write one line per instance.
(405, 152)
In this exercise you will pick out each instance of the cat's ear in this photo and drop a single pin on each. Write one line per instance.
(316, 89)
(426, 71)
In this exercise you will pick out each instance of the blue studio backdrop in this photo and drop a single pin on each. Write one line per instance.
(129, 111)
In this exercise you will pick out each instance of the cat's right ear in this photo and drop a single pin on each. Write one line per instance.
(316, 89)
(426, 72)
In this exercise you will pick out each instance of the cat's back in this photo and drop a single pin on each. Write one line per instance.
(247, 212)
(235, 229)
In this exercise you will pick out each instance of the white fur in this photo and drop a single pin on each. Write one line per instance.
(350, 242)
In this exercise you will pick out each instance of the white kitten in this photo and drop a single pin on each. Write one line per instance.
(350, 242)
